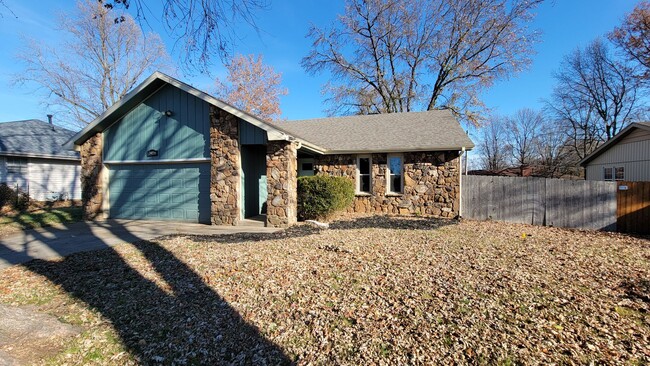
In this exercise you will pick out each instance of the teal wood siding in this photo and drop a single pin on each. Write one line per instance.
(251, 135)
(183, 135)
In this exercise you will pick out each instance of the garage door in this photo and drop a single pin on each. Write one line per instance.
(177, 192)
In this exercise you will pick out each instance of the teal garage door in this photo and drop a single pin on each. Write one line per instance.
(176, 192)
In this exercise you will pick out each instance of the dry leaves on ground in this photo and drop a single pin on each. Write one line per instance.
(373, 290)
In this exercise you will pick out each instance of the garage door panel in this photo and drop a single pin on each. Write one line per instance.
(160, 192)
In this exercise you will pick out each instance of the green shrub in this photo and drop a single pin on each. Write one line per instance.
(320, 196)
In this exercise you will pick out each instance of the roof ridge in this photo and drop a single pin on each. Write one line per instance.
(363, 115)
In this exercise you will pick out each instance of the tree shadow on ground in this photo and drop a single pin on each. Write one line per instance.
(179, 320)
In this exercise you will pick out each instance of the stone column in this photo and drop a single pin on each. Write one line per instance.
(282, 183)
(224, 173)
(91, 178)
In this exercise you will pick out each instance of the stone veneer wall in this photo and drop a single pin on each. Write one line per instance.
(224, 171)
(431, 183)
(282, 183)
(91, 178)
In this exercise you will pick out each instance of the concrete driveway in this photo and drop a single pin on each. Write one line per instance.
(56, 242)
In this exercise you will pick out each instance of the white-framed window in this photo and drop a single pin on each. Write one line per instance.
(364, 176)
(17, 165)
(395, 174)
(305, 167)
(619, 173)
(608, 173)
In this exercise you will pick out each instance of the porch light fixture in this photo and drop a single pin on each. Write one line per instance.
(169, 113)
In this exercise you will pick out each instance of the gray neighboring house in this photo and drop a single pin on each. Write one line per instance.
(168, 151)
(33, 160)
(624, 157)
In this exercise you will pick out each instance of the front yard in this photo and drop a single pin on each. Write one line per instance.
(367, 291)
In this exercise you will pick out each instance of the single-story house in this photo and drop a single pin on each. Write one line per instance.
(624, 157)
(167, 151)
(33, 160)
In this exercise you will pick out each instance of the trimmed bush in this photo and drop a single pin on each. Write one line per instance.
(320, 196)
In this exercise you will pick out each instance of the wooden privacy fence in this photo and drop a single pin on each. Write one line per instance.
(633, 211)
(540, 201)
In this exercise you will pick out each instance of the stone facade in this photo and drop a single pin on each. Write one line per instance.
(431, 183)
(92, 194)
(282, 182)
(225, 164)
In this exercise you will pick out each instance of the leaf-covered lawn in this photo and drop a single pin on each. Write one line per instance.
(12, 223)
(374, 290)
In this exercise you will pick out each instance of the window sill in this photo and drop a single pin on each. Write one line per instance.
(394, 194)
(362, 194)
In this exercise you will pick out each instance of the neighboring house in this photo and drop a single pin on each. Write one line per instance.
(33, 160)
(624, 157)
(169, 151)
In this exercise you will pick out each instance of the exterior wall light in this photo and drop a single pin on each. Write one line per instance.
(169, 113)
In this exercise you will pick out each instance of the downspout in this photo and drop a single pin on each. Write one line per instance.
(460, 183)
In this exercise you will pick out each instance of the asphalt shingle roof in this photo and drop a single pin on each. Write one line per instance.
(35, 137)
(430, 130)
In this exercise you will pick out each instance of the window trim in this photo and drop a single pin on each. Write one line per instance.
(611, 171)
(358, 175)
(389, 173)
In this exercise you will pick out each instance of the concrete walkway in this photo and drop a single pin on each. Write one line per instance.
(59, 241)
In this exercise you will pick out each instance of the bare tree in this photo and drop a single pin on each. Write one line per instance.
(4, 5)
(403, 55)
(522, 131)
(553, 158)
(100, 61)
(494, 146)
(633, 37)
(202, 28)
(253, 87)
(593, 78)
(577, 120)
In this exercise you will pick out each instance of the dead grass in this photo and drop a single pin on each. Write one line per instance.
(367, 291)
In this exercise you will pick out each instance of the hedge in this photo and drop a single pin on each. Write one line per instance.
(320, 196)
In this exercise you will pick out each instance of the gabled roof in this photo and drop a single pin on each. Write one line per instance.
(604, 147)
(414, 131)
(152, 84)
(391, 132)
(35, 138)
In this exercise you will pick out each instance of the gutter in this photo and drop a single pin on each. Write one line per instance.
(460, 184)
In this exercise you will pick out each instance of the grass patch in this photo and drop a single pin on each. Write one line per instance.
(15, 222)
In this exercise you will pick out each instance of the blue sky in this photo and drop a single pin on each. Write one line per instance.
(564, 24)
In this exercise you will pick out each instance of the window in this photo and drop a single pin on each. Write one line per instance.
(16, 166)
(620, 173)
(363, 173)
(395, 169)
(305, 167)
(607, 174)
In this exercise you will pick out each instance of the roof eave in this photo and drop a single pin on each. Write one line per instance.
(397, 150)
(604, 147)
